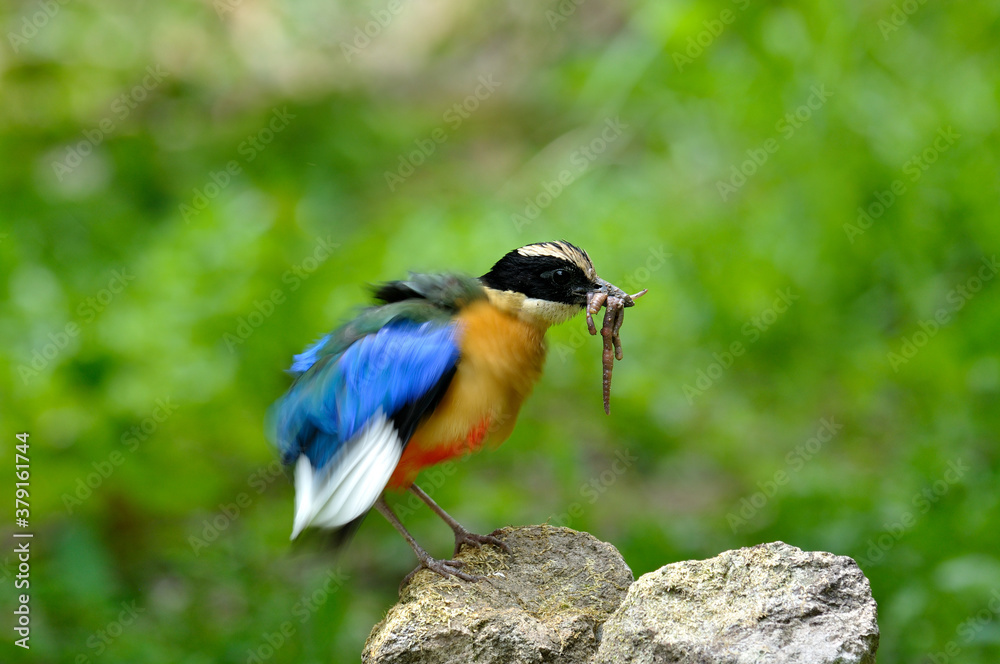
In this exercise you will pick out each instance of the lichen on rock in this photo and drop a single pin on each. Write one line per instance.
(564, 596)
(771, 602)
(543, 602)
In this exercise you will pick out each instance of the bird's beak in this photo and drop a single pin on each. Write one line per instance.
(603, 286)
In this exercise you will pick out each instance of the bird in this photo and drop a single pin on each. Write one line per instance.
(438, 368)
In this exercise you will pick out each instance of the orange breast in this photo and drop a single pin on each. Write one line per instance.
(501, 359)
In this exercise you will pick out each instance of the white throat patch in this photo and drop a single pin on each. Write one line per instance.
(553, 313)
(539, 312)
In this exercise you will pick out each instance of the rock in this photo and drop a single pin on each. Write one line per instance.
(544, 602)
(772, 602)
(564, 596)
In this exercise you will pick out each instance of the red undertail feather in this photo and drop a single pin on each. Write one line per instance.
(418, 454)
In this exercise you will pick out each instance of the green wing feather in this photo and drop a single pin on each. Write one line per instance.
(421, 298)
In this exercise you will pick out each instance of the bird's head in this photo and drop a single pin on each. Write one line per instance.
(547, 283)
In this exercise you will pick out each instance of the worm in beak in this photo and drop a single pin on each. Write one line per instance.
(615, 301)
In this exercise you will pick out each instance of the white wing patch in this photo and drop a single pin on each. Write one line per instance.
(334, 496)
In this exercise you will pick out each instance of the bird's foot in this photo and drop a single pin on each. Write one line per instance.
(445, 568)
(463, 536)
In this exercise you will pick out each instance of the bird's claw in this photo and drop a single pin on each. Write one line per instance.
(472, 539)
(445, 568)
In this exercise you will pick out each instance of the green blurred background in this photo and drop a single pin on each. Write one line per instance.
(194, 191)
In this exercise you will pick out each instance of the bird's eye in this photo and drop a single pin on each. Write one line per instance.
(558, 277)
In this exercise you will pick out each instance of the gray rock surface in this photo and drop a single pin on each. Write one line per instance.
(564, 596)
(767, 603)
(544, 602)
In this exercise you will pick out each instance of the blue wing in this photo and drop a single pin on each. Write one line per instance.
(302, 362)
(384, 371)
(350, 414)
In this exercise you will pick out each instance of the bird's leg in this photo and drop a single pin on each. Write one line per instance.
(462, 536)
(445, 568)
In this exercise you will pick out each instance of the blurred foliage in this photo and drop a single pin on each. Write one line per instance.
(194, 191)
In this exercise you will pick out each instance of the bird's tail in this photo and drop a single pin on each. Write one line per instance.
(345, 488)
